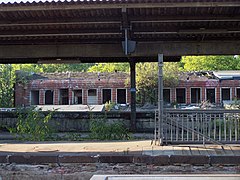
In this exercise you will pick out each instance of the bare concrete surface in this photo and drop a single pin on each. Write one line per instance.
(166, 177)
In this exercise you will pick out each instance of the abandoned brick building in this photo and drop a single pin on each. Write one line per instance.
(99, 88)
(71, 88)
(196, 87)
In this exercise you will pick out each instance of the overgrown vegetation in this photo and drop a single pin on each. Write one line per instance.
(103, 130)
(33, 125)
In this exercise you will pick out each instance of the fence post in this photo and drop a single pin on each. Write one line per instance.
(160, 98)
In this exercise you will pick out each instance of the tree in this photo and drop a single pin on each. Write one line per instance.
(109, 67)
(6, 85)
(147, 79)
(209, 63)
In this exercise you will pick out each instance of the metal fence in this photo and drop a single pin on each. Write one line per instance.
(181, 126)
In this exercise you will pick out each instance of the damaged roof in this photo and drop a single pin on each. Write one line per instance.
(227, 75)
(74, 75)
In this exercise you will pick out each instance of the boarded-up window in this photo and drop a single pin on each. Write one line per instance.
(195, 95)
(166, 95)
(181, 95)
(210, 95)
(49, 97)
(92, 97)
(77, 97)
(63, 97)
(35, 97)
(106, 95)
(238, 93)
(226, 94)
(121, 96)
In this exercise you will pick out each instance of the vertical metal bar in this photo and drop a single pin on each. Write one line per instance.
(177, 128)
(220, 128)
(230, 127)
(187, 127)
(214, 127)
(209, 125)
(235, 125)
(182, 117)
(171, 127)
(203, 125)
(155, 126)
(198, 125)
(225, 128)
(193, 127)
(160, 97)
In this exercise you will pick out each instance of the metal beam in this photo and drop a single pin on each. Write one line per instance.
(184, 18)
(86, 6)
(61, 21)
(143, 49)
(117, 20)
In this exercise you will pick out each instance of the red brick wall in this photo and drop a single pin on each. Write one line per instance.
(74, 84)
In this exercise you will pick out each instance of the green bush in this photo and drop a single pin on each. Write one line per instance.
(101, 129)
(33, 125)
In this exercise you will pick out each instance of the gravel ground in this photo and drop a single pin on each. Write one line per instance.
(86, 171)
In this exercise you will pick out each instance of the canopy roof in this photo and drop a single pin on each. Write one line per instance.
(172, 27)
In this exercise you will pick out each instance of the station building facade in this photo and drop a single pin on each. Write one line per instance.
(71, 88)
(195, 87)
(98, 88)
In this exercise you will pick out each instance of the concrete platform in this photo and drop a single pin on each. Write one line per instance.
(168, 177)
(117, 152)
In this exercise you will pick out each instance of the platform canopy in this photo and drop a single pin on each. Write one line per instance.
(100, 30)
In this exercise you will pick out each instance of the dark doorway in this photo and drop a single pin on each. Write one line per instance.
(226, 94)
(195, 95)
(211, 95)
(238, 93)
(166, 96)
(77, 97)
(49, 97)
(181, 95)
(121, 96)
(35, 97)
(63, 97)
(106, 95)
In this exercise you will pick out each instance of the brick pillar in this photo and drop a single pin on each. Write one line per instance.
(70, 95)
(55, 97)
(218, 95)
(233, 94)
(188, 95)
(99, 95)
(203, 97)
(173, 98)
(84, 94)
(114, 95)
(41, 97)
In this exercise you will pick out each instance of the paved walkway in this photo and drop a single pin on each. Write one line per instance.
(118, 151)
(143, 147)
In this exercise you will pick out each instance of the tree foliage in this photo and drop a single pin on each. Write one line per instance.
(109, 67)
(210, 63)
(147, 79)
(6, 85)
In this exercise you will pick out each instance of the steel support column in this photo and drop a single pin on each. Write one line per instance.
(133, 94)
(160, 98)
